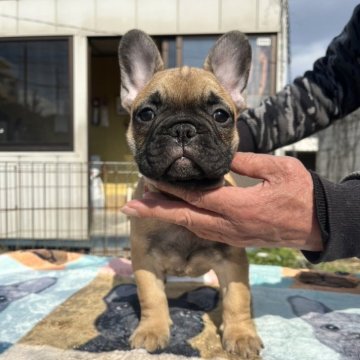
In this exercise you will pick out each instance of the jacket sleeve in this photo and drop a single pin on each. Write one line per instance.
(338, 213)
(312, 102)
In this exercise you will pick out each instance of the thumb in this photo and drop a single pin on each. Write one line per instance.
(258, 166)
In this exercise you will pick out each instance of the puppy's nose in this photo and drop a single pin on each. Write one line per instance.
(183, 132)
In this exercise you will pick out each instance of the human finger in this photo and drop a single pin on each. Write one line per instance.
(258, 166)
(213, 200)
(171, 211)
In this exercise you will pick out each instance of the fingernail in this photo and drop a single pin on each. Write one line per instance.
(129, 211)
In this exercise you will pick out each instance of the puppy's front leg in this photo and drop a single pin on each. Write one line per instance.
(153, 331)
(239, 333)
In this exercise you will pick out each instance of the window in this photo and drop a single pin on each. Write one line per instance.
(35, 95)
(196, 49)
(192, 51)
(262, 73)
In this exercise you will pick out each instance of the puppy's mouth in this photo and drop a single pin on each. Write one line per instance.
(187, 173)
(183, 168)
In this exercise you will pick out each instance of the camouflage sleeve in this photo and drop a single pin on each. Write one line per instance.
(312, 102)
(338, 213)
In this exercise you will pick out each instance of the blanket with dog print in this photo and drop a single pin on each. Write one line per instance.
(61, 305)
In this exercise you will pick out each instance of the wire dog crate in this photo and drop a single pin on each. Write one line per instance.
(68, 205)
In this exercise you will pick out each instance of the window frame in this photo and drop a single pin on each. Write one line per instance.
(70, 147)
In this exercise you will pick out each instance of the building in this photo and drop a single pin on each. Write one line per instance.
(339, 148)
(59, 94)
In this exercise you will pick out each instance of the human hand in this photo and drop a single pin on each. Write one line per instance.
(278, 212)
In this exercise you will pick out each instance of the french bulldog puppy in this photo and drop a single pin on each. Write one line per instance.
(183, 131)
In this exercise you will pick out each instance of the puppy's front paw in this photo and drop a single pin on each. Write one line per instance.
(150, 337)
(243, 341)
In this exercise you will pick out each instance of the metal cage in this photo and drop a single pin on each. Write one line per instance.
(66, 205)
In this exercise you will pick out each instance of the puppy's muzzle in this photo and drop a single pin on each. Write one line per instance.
(186, 165)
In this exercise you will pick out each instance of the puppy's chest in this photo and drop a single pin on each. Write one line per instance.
(179, 252)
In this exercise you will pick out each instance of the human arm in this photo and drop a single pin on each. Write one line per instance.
(337, 210)
(312, 102)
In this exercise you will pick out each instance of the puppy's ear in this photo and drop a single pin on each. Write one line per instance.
(230, 60)
(139, 60)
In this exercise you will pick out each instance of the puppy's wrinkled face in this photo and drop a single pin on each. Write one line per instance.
(183, 127)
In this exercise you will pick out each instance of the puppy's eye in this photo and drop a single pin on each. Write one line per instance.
(221, 116)
(146, 114)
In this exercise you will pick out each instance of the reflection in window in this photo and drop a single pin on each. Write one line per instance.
(35, 105)
(259, 84)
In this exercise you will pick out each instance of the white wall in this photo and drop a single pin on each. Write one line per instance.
(106, 17)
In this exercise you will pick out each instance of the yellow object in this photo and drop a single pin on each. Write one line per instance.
(116, 195)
